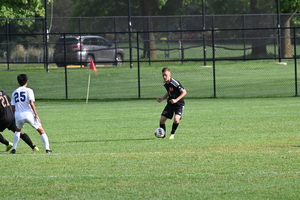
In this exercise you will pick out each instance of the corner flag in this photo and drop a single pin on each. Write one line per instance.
(92, 66)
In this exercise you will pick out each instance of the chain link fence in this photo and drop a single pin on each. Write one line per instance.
(231, 57)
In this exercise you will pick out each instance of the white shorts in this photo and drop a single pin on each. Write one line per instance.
(26, 117)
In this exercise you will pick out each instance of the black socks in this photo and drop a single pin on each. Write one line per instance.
(174, 127)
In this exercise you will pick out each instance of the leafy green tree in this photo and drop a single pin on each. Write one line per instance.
(22, 16)
(120, 8)
(288, 8)
(21, 9)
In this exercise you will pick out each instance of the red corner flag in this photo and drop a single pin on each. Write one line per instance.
(92, 66)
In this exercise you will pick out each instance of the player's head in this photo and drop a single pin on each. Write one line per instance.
(22, 79)
(166, 74)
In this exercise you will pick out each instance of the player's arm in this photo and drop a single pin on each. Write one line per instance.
(13, 108)
(32, 105)
(183, 93)
(160, 99)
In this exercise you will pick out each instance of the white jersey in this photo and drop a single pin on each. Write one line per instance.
(20, 99)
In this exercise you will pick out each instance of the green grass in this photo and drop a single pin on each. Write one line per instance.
(223, 149)
(232, 78)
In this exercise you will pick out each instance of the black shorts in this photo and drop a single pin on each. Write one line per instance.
(8, 124)
(170, 109)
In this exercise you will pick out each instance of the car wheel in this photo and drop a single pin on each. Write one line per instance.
(89, 57)
(119, 59)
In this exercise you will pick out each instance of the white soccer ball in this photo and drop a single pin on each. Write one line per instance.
(159, 132)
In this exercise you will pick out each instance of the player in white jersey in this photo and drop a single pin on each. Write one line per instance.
(25, 112)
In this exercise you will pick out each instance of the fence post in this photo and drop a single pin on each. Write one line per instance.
(278, 31)
(244, 37)
(46, 37)
(138, 61)
(179, 49)
(66, 68)
(214, 63)
(129, 35)
(204, 32)
(295, 62)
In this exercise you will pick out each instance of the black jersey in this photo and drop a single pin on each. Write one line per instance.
(6, 114)
(174, 89)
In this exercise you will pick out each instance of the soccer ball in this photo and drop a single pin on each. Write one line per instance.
(159, 132)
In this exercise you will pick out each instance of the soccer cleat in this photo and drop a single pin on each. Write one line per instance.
(13, 151)
(35, 148)
(48, 151)
(9, 146)
(171, 137)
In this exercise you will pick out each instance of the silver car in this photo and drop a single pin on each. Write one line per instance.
(81, 49)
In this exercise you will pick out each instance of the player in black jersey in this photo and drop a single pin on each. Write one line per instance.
(7, 121)
(175, 104)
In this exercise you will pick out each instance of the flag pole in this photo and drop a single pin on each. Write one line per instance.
(88, 89)
(93, 67)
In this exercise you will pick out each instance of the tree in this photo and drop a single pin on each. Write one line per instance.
(288, 8)
(60, 9)
(22, 16)
(119, 8)
(259, 46)
(21, 9)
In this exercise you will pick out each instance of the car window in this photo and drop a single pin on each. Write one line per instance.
(104, 42)
(68, 41)
(87, 41)
(94, 41)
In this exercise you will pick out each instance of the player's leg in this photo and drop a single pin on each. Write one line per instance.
(162, 123)
(166, 114)
(175, 125)
(24, 137)
(28, 141)
(19, 125)
(5, 142)
(44, 138)
(177, 117)
(15, 141)
(35, 123)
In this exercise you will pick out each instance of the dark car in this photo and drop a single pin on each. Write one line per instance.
(80, 49)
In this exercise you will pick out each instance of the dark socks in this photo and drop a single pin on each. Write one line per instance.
(174, 127)
(163, 126)
(26, 139)
(3, 140)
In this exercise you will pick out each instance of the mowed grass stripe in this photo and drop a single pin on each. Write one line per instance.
(223, 149)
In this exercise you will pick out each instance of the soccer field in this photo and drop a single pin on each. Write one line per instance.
(223, 149)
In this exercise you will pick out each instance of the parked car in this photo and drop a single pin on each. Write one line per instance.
(80, 49)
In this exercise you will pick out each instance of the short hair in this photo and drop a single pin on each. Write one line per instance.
(22, 79)
(165, 69)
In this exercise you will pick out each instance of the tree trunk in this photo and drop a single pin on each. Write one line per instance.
(259, 46)
(149, 38)
(286, 45)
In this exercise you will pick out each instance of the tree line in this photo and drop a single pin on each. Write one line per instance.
(32, 9)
